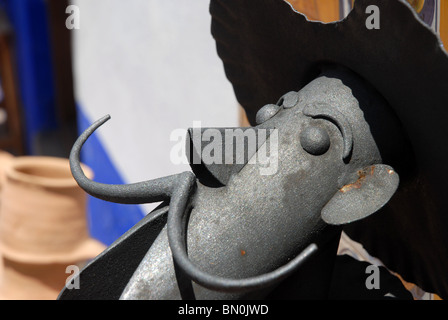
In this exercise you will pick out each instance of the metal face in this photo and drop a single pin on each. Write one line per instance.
(241, 236)
(262, 223)
(268, 49)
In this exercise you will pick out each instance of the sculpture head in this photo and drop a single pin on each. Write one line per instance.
(270, 49)
(329, 172)
(328, 148)
(338, 146)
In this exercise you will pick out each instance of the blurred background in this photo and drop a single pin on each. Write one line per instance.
(151, 64)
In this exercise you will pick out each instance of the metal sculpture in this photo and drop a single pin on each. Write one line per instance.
(228, 231)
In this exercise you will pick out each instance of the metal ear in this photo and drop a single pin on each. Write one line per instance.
(374, 187)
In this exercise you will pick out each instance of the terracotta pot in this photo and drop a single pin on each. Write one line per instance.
(5, 159)
(42, 213)
(24, 281)
(43, 227)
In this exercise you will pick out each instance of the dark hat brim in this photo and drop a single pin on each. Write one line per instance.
(268, 49)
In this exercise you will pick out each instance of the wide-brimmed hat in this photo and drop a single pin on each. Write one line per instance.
(268, 49)
(43, 213)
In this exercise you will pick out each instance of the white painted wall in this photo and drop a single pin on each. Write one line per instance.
(152, 65)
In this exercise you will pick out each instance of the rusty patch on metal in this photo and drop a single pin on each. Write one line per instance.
(362, 174)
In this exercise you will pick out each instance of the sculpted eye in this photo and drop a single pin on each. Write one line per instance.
(315, 140)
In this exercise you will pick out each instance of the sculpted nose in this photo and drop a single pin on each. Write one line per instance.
(232, 148)
(266, 113)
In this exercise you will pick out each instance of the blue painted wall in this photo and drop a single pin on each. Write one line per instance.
(34, 65)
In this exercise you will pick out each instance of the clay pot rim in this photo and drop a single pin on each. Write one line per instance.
(86, 250)
(16, 172)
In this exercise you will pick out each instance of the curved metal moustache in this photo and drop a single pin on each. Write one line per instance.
(253, 224)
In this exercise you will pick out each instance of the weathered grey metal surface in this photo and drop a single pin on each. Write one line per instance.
(268, 49)
(348, 124)
(239, 233)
